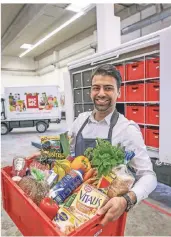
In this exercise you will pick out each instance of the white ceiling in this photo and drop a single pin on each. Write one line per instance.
(28, 23)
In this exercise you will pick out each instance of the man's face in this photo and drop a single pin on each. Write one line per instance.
(104, 92)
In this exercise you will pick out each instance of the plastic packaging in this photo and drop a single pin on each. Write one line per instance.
(66, 186)
(122, 183)
(19, 167)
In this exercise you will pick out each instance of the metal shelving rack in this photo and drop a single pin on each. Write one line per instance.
(153, 45)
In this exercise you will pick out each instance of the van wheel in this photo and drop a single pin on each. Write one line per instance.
(58, 120)
(41, 127)
(4, 129)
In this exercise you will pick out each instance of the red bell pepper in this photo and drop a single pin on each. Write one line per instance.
(49, 207)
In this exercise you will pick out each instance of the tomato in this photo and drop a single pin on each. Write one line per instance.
(49, 207)
(81, 162)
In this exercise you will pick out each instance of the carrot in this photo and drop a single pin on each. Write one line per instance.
(89, 174)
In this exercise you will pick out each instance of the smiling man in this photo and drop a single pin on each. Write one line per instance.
(105, 122)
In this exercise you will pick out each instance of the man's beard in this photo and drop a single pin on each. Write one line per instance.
(102, 107)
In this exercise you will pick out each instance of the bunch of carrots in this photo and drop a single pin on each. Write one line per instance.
(90, 177)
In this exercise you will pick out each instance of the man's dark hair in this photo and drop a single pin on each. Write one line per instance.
(108, 70)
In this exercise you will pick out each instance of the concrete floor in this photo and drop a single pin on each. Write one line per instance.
(143, 220)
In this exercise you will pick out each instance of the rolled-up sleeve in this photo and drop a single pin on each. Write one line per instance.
(141, 162)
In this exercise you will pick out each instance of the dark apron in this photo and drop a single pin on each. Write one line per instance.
(83, 143)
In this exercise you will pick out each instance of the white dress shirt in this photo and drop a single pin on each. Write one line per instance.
(128, 133)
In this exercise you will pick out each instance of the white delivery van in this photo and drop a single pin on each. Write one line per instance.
(31, 106)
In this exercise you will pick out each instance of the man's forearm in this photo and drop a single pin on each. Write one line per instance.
(144, 186)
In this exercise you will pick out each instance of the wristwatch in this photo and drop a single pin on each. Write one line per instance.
(130, 203)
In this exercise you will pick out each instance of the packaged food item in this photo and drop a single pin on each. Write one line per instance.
(89, 200)
(122, 183)
(53, 177)
(66, 185)
(66, 221)
(70, 200)
(104, 181)
(35, 189)
(19, 167)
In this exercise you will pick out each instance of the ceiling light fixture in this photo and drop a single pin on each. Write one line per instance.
(77, 7)
(75, 17)
(26, 46)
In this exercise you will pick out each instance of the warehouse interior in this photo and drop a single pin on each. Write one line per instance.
(53, 45)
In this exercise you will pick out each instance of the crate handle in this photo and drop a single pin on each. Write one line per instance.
(134, 88)
(156, 133)
(156, 86)
(156, 61)
(156, 110)
(134, 109)
(134, 65)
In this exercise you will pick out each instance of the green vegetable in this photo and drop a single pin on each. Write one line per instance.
(65, 144)
(89, 153)
(105, 157)
(37, 174)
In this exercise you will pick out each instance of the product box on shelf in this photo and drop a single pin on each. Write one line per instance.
(135, 71)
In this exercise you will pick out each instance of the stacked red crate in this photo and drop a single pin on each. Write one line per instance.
(135, 92)
(152, 68)
(135, 113)
(135, 71)
(152, 90)
(152, 137)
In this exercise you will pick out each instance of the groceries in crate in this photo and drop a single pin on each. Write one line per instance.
(49, 207)
(19, 168)
(71, 190)
(66, 186)
(67, 221)
(89, 200)
(54, 148)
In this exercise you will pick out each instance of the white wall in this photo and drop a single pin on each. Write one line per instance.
(8, 79)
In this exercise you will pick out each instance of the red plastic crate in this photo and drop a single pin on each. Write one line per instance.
(135, 92)
(152, 68)
(122, 98)
(152, 115)
(152, 91)
(142, 131)
(152, 137)
(135, 71)
(135, 113)
(32, 221)
(120, 68)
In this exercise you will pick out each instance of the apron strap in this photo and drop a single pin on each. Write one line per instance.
(82, 127)
(113, 122)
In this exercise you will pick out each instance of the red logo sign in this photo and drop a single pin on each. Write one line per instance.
(32, 101)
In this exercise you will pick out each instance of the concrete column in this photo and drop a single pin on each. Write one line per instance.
(108, 27)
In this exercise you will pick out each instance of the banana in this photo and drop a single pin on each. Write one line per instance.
(60, 171)
(65, 164)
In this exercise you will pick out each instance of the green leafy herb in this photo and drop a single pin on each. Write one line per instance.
(105, 156)
(65, 144)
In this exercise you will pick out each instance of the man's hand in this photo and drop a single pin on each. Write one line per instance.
(113, 209)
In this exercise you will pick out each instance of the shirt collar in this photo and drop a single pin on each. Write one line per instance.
(106, 119)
